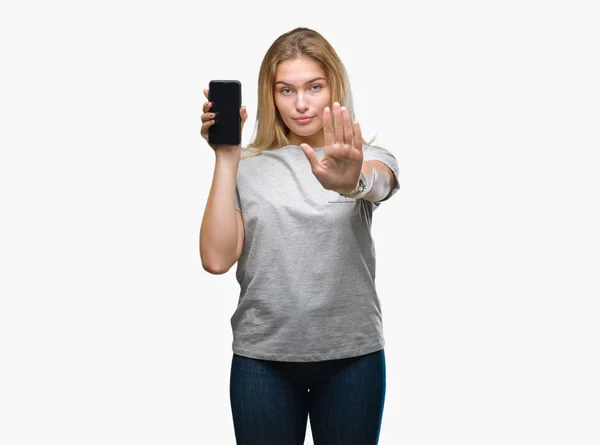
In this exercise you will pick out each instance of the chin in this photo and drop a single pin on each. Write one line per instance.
(305, 133)
(310, 128)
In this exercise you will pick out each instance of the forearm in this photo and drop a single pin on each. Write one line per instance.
(382, 178)
(218, 232)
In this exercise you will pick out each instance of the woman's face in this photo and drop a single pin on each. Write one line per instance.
(301, 90)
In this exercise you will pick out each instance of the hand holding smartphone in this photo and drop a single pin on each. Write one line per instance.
(223, 117)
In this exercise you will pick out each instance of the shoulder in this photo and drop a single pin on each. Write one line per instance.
(374, 148)
(376, 152)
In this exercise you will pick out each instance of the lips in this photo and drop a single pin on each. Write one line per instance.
(304, 120)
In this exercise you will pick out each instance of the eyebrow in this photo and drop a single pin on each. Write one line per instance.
(310, 81)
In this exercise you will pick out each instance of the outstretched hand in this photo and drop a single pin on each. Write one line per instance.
(339, 168)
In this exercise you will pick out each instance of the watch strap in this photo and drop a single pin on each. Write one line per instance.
(362, 186)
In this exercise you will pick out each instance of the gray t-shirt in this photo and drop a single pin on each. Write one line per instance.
(307, 268)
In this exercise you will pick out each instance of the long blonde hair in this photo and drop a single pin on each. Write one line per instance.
(270, 131)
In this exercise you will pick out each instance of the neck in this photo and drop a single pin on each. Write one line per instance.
(314, 140)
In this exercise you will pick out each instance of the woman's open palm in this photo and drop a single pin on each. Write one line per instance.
(339, 168)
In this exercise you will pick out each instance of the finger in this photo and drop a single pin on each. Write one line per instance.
(348, 136)
(206, 93)
(204, 128)
(358, 141)
(243, 115)
(207, 116)
(327, 129)
(311, 156)
(206, 106)
(338, 124)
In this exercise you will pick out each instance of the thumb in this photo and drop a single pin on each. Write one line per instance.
(311, 156)
(243, 115)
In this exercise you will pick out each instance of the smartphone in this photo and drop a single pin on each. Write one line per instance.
(226, 98)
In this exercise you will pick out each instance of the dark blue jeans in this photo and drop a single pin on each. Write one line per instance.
(271, 401)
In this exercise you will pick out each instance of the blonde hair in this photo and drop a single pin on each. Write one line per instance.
(270, 131)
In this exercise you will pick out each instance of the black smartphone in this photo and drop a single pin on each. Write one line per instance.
(226, 98)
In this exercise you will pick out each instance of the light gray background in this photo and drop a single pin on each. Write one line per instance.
(111, 332)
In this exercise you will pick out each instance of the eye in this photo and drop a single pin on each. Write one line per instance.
(283, 91)
(316, 85)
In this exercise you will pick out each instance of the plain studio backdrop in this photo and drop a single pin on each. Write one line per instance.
(487, 258)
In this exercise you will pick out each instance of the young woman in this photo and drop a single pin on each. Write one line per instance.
(294, 210)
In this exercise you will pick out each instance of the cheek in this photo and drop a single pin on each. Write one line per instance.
(281, 111)
(324, 103)
(281, 107)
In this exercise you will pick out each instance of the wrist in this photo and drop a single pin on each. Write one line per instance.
(229, 152)
(354, 190)
(361, 189)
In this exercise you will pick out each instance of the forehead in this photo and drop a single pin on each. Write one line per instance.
(298, 71)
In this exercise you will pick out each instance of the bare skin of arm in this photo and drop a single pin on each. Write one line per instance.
(222, 229)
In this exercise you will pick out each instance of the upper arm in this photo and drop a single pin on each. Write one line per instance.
(240, 237)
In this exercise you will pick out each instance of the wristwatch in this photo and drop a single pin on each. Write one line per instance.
(362, 186)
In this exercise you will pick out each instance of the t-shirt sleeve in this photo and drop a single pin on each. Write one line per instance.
(375, 153)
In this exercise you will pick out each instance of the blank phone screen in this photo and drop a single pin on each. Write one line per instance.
(226, 96)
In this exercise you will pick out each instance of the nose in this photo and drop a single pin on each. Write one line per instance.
(301, 104)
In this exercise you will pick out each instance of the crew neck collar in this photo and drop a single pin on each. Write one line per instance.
(300, 148)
